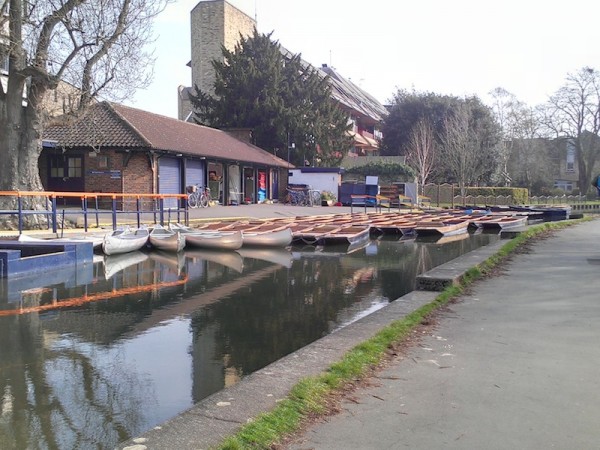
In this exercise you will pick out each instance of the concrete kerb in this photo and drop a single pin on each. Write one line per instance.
(222, 414)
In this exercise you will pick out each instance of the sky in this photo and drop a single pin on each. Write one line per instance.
(458, 47)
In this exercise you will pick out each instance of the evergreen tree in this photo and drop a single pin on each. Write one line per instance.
(281, 98)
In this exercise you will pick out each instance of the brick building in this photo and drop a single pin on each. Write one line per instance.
(118, 149)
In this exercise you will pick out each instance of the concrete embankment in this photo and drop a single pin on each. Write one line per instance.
(221, 414)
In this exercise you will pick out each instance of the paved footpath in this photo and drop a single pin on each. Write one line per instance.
(514, 365)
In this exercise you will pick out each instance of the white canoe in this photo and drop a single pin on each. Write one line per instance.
(211, 239)
(219, 240)
(268, 238)
(124, 241)
(167, 240)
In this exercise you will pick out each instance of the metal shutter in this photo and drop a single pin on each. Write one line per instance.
(194, 173)
(169, 180)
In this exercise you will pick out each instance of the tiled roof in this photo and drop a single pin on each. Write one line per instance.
(347, 93)
(353, 97)
(109, 125)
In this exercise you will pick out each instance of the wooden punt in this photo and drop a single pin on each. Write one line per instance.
(350, 234)
(503, 223)
(444, 227)
(310, 234)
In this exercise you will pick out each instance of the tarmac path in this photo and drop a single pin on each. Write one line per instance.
(515, 364)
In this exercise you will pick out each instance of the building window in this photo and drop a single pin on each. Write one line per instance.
(102, 162)
(74, 167)
(56, 168)
(570, 157)
(566, 186)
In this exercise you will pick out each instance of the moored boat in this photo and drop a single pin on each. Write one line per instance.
(503, 223)
(350, 234)
(124, 240)
(211, 239)
(310, 234)
(166, 239)
(216, 240)
(267, 238)
(444, 227)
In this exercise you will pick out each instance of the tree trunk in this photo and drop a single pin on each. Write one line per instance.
(20, 150)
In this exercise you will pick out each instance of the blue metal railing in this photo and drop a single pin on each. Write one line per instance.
(137, 205)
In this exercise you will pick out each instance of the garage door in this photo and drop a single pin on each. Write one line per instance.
(194, 173)
(169, 179)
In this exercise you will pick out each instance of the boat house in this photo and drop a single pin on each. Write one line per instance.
(119, 149)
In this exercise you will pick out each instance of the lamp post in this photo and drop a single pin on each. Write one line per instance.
(290, 146)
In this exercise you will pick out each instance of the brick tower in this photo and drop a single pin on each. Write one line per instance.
(214, 23)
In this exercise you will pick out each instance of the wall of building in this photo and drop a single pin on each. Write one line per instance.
(103, 172)
(214, 24)
(322, 181)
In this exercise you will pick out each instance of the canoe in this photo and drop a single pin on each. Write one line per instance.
(166, 239)
(124, 240)
(211, 239)
(267, 238)
(216, 240)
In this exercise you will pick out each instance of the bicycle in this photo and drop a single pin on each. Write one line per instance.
(198, 197)
(297, 197)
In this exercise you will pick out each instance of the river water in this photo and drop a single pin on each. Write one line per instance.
(93, 356)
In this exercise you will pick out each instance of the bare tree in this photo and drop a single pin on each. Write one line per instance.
(422, 149)
(524, 158)
(573, 112)
(504, 105)
(469, 143)
(457, 150)
(96, 46)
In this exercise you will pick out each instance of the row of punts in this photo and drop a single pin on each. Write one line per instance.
(322, 230)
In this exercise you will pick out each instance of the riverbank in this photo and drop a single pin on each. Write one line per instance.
(208, 422)
(512, 364)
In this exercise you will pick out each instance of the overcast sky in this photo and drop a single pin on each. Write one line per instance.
(459, 47)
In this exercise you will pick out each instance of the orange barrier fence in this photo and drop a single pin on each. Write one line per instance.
(94, 205)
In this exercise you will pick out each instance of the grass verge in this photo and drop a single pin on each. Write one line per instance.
(309, 397)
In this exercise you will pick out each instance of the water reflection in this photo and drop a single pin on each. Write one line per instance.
(94, 356)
